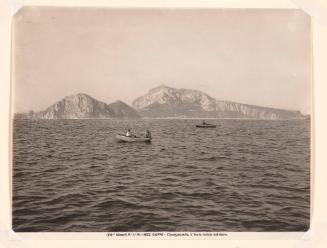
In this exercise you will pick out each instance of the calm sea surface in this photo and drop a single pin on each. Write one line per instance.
(245, 175)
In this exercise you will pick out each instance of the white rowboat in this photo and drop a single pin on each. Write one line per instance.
(124, 138)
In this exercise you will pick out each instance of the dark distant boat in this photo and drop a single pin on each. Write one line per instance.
(124, 138)
(206, 125)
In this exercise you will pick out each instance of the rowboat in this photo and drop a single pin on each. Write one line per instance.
(206, 126)
(124, 138)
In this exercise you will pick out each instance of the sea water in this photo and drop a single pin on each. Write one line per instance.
(244, 175)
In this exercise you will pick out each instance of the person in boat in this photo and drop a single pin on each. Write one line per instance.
(204, 123)
(148, 134)
(128, 133)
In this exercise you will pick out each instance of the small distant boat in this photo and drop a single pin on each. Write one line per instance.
(124, 138)
(206, 125)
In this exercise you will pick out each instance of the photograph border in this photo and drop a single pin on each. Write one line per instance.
(318, 216)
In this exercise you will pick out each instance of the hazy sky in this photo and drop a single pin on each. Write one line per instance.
(251, 56)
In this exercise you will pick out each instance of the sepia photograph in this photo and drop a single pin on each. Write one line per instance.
(161, 119)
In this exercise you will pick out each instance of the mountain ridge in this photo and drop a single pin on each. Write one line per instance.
(165, 101)
(83, 106)
(159, 102)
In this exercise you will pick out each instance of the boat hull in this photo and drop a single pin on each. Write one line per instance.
(206, 126)
(124, 138)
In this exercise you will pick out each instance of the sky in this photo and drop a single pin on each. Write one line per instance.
(252, 56)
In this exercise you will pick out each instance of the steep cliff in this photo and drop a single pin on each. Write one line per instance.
(164, 101)
(82, 106)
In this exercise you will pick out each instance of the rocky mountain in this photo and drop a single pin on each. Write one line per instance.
(164, 101)
(122, 110)
(81, 106)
